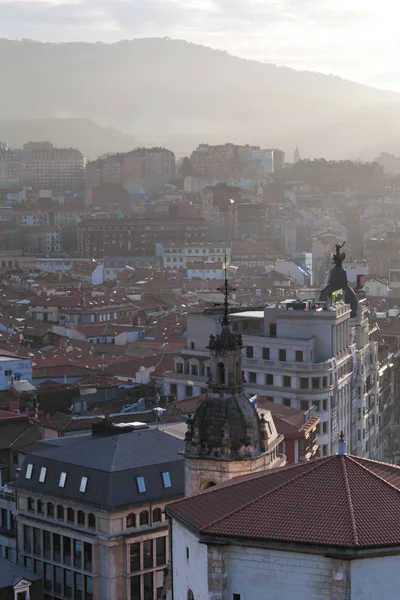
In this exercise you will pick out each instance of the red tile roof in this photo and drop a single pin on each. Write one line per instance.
(338, 501)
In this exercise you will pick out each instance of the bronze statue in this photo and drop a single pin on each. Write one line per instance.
(339, 257)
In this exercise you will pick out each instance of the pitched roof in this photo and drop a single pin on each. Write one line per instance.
(338, 501)
(111, 464)
(11, 574)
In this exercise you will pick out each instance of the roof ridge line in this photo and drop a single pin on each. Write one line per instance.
(393, 487)
(350, 501)
(279, 487)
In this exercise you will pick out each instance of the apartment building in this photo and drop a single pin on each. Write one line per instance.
(301, 355)
(48, 167)
(138, 171)
(90, 512)
(136, 237)
(178, 256)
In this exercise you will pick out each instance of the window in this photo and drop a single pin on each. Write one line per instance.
(325, 427)
(91, 521)
(141, 484)
(27, 539)
(82, 487)
(40, 507)
(166, 479)
(304, 405)
(87, 556)
(31, 505)
(148, 586)
(236, 597)
(131, 520)
(60, 512)
(88, 588)
(324, 382)
(325, 404)
(77, 554)
(63, 478)
(78, 586)
(161, 557)
(299, 355)
(37, 541)
(265, 353)
(315, 383)
(287, 381)
(47, 544)
(189, 391)
(317, 405)
(179, 367)
(67, 550)
(249, 352)
(282, 355)
(144, 518)
(42, 475)
(195, 370)
(148, 554)
(56, 547)
(187, 554)
(304, 383)
(71, 515)
(286, 402)
(135, 557)
(253, 377)
(269, 379)
(272, 329)
(135, 588)
(157, 515)
(67, 584)
(190, 595)
(50, 509)
(192, 345)
(28, 472)
(81, 517)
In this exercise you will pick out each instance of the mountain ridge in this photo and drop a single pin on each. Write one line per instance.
(178, 94)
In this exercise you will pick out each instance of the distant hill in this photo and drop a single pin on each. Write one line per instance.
(178, 94)
(89, 137)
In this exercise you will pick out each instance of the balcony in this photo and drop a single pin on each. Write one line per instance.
(287, 366)
(7, 494)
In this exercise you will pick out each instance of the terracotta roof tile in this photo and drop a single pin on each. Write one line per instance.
(340, 501)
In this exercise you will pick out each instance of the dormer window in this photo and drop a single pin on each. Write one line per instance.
(166, 479)
(62, 481)
(82, 487)
(141, 484)
(28, 472)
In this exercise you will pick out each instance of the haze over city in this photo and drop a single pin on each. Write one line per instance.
(199, 300)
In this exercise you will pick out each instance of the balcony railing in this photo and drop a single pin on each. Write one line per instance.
(7, 494)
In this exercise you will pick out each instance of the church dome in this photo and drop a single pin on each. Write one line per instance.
(225, 427)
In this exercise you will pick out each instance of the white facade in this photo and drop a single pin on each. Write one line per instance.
(10, 368)
(260, 573)
(206, 272)
(176, 256)
(289, 268)
(376, 287)
(302, 359)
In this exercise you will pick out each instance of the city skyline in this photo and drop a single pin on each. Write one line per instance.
(356, 41)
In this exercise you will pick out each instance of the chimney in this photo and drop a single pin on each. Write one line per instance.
(342, 445)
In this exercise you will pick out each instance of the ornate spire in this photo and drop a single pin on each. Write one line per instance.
(226, 289)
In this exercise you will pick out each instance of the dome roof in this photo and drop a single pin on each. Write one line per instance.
(226, 426)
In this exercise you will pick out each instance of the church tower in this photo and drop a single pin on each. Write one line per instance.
(296, 156)
(226, 437)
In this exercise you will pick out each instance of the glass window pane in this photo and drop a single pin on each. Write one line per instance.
(135, 588)
(148, 554)
(67, 550)
(78, 554)
(148, 586)
(78, 586)
(161, 551)
(37, 546)
(87, 553)
(57, 580)
(88, 588)
(141, 484)
(56, 547)
(47, 544)
(27, 539)
(67, 584)
(160, 584)
(166, 480)
(82, 487)
(135, 557)
(47, 576)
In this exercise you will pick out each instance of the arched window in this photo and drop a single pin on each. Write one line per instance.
(81, 517)
(60, 512)
(144, 517)
(31, 505)
(207, 484)
(91, 521)
(190, 595)
(40, 507)
(157, 515)
(50, 509)
(131, 520)
(220, 373)
(71, 515)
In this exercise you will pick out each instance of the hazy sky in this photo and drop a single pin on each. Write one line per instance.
(357, 39)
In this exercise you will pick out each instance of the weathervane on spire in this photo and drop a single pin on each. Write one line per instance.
(226, 289)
